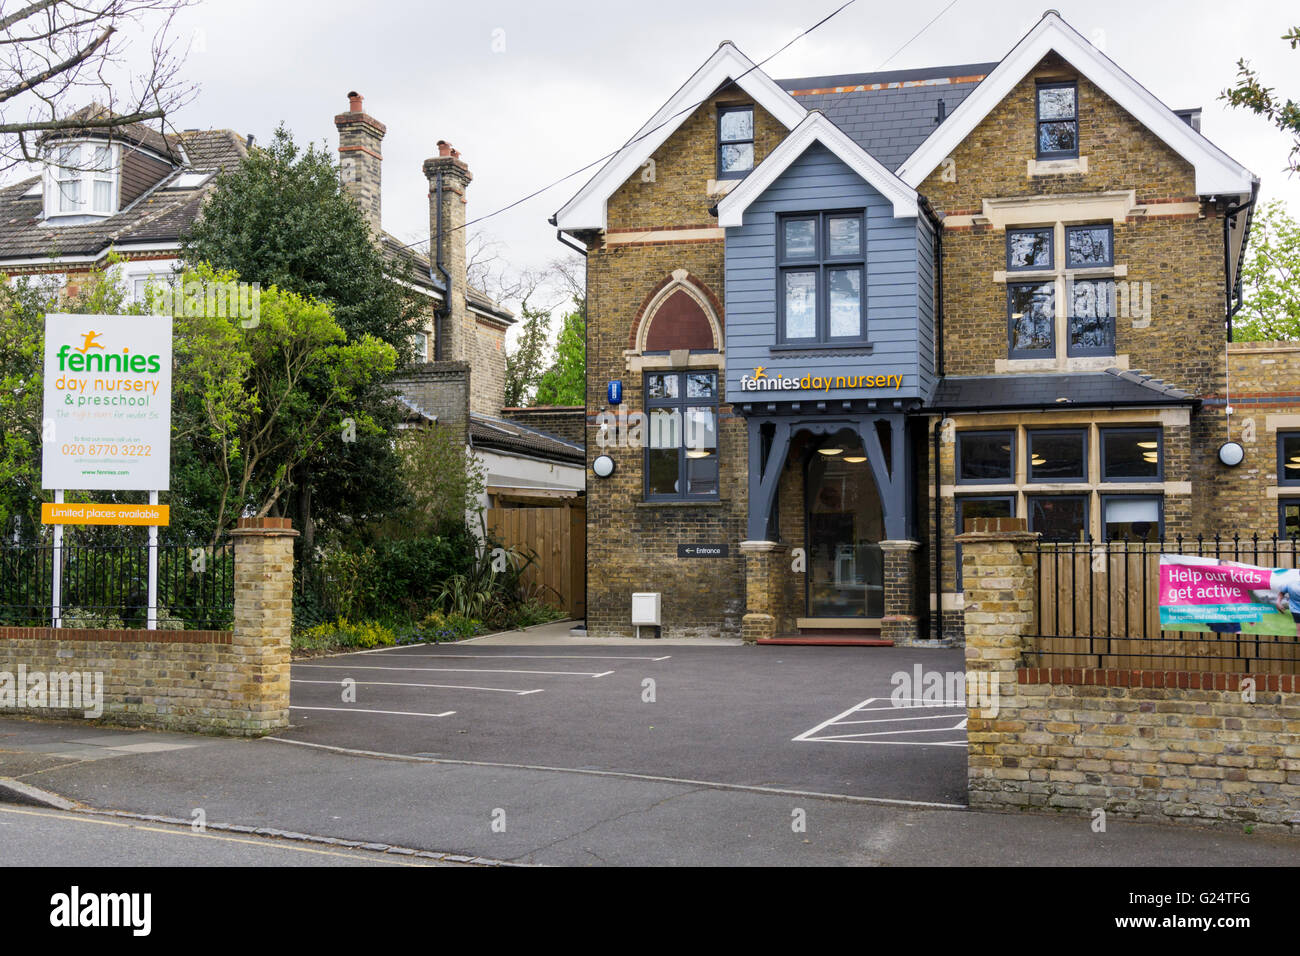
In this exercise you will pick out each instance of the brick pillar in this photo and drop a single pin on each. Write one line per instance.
(900, 623)
(263, 621)
(998, 575)
(361, 161)
(764, 563)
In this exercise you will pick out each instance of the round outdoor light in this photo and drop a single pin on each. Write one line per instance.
(1231, 454)
(603, 466)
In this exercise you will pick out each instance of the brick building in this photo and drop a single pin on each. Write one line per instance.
(848, 313)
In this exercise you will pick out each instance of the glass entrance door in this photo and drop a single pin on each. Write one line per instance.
(845, 524)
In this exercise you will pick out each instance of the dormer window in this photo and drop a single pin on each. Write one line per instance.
(82, 180)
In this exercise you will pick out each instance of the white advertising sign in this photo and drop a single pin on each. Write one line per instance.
(108, 384)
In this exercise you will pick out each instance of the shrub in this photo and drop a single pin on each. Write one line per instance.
(437, 626)
(344, 634)
(89, 617)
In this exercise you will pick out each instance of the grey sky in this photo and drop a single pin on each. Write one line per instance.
(575, 79)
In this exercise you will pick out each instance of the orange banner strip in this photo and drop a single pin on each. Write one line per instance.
(105, 514)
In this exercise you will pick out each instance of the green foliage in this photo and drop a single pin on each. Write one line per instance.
(345, 634)
(565, 382)
(80, 617)
(492, 589)
(281, 218)
(525, 361)
(1270, 279)
(436, 626)
(443, 482)
(1251, 94)
(262, 401)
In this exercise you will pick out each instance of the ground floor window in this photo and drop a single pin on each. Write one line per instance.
(1132, 517)
(1288, 517)
(1058, 517)
(681, 458)
(983, 506)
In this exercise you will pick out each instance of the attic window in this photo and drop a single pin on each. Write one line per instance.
(1058, 121)
(189, 181)
(735, 141)
(82, 180)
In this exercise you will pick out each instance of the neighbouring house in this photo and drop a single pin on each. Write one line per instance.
(849, 313)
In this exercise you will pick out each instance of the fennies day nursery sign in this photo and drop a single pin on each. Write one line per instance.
(107, 422)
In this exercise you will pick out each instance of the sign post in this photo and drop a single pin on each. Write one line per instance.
(107, 427)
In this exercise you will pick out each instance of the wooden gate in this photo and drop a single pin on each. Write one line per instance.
(558, 539)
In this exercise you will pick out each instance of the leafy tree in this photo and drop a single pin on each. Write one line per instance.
(264, 400)
(1270, 278)
(565, 382)
(524, 362)
(444, 480)
(281, 218)
(1251, 94)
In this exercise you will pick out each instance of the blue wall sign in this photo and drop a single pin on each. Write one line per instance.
(614, 392)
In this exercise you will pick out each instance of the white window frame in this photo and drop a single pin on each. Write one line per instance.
(75, 163)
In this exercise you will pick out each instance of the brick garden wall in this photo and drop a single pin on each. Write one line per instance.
(1152, 745)
(439, 388)
(230, 682)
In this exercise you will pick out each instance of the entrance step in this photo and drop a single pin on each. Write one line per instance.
(832, 637)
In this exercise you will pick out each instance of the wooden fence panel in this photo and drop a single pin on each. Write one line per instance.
(556, 538)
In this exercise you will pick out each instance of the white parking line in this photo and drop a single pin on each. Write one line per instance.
(454, 670)
(358, 710)
(535, 657)
(816, 735)
(397, 683)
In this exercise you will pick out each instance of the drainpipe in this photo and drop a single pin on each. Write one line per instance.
(938, 539)
(445, 311)
(1232, 284)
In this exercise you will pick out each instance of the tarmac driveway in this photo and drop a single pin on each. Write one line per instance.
(809, 719)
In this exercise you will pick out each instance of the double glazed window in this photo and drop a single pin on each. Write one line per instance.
(1058, 120)
(1089, 304)
(1288, 458)
(84, 180)
(681, 459)
(986, 457)
(1061, 456)
(821, 277)
(735, 141)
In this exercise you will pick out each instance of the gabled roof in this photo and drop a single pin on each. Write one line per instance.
(889, 113)
(1216, 172)
(1109, 389)
(816, 128)
(587, 209)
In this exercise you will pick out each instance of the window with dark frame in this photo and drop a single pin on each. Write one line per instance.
(735, 141)
(1058, 454)
(981, 506)
(1058, 120)
(1058, 517)
(986, 457)
(1091, 316)
(1288, 458)
(681, 457)
(821, 260)
(1132, 517)
(1030, 249)
(1031, 319)
(1132, 454)
(1089, 247)
(1288, 517)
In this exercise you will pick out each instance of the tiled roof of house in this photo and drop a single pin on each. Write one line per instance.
(1113, 387)
(513, 438)
(888, 114)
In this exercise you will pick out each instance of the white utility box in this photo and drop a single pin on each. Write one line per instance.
(645, 609)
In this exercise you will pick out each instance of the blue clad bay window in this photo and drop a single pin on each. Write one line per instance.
(821, 259)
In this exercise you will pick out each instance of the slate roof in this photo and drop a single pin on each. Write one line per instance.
(511, 437)
(1113, 387)
(890, 113)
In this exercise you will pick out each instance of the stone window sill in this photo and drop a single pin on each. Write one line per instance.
(710, 503)
(1057, 167)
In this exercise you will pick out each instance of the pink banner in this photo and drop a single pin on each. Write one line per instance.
(1182, 584)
